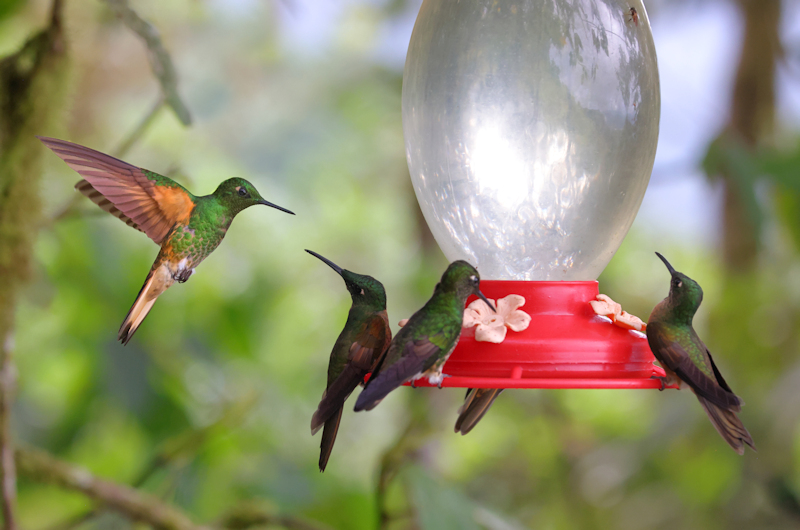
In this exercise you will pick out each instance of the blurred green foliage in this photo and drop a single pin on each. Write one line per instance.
(208, 407)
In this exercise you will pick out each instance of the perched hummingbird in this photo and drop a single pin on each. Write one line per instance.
(357, 351)
(421, 348)
(187, 227)
(685, 358)
(476, 404)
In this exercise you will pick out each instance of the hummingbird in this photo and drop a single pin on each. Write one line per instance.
(187, 227)
(476, 404)
(421, 348)
(357, 351)
(685, 358)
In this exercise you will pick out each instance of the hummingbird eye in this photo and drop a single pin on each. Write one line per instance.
(243, 192)
(474, 280)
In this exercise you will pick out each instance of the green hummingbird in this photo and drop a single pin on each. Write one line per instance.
(188, 228)
(357, 351)
(476, 404)
(421, 348)
(685, 358)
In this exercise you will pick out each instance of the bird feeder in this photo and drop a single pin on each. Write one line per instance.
(530, 131)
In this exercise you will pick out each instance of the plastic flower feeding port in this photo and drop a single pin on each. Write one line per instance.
(530, 136)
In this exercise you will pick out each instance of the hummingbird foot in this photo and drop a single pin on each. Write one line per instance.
(435, 377)
(443, 376)
(412, 383)
(663, 381)
(182, 275)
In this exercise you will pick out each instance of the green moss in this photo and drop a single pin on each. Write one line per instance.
(32, 87)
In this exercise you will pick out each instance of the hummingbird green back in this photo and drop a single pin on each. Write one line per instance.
(421, 348)
(357, 351)
(684, 357)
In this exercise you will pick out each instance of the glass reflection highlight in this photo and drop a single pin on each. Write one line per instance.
(530, 129)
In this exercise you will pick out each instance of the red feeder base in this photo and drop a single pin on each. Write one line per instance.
(566, 345)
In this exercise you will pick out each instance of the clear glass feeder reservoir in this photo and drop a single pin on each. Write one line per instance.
(531, 129)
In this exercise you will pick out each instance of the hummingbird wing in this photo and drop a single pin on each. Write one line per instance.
(476, 404)
(372, 341)
(725, 421)
(718, 375)
(417, 356)
(369, 345)
(382, 351)
(675, 357)
(714, 394)
(126, 191)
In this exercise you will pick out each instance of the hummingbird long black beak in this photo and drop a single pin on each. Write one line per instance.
(328, 262)
(669, 267)
(482, 297)
(267, 203)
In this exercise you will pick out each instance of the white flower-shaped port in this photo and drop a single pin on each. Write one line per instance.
(606, 307)
(491, 326)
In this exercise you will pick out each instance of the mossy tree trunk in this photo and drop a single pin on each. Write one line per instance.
(32, 83)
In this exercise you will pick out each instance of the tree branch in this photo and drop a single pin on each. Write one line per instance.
(140, 129)
(40, 466)
(160, 60)
(182, 446)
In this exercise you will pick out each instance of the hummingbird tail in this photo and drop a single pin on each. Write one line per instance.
(328, 438)
(728, 425)
(336, 394)
(475, 405)
(158, 280)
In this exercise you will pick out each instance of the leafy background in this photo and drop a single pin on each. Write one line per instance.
(208, 407)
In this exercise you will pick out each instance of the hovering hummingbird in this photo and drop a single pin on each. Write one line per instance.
(357, 351)
(685, 358)
(476, 404)
(188, 228)
(421, 348)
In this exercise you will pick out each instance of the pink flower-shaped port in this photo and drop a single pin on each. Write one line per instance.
(491, 326)
(605, 306)
(628, 321)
